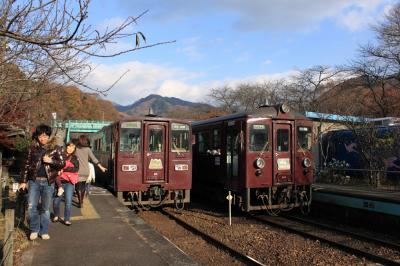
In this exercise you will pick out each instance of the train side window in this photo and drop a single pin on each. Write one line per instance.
(203, 139)
(216, 139)
(180, 138)
(282, 140)
(107, 135)
(304, 138)
(259, 138)
(130, 137)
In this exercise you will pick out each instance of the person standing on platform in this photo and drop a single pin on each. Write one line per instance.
(69, 177)
(91, 179)
(44, 161)
(84, 154)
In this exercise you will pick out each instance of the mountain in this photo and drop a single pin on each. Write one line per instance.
(166, 106)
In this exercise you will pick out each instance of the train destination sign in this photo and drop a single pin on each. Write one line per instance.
(283, 163)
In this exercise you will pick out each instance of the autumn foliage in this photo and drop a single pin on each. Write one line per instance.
(69, 103)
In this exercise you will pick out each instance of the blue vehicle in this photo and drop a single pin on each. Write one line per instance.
(364, 155)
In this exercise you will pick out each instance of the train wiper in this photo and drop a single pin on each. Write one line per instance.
(263, 149)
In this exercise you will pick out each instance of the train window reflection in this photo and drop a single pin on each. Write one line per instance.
(180, 138)
(304, 137)
(156, 140)
(258, 138)
(283, 140)
(130, 137)
(203, 140)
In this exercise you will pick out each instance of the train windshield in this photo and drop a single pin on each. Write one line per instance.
(180, 137)
(304, 138)
(258, 138)
(130, 136)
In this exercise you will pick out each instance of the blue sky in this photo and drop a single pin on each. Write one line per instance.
(226, 42)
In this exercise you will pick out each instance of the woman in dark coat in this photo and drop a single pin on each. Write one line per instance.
(84, 154)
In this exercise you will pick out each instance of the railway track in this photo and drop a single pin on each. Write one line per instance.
(360, 245)
(210, 239)
(360, 236)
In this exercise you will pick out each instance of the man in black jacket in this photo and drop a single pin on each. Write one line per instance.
(44, 161)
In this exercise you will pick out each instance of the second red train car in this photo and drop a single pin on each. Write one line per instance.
(264, 158)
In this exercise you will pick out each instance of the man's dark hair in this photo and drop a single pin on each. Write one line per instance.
(83, 141)
(41, 129)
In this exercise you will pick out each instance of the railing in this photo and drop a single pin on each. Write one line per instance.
(12, 208)
(371, 178)
(7, 219)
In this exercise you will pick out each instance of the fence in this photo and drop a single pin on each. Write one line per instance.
(372, 178)
(7, 216)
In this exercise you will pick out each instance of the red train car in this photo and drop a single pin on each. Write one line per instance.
(264, 158)
(149, 160)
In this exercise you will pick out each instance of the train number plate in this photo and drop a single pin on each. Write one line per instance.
(181, 167)
(129, 167)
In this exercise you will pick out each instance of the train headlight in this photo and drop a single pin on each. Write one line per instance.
(306, 162)
(259, 163)
(181, 167)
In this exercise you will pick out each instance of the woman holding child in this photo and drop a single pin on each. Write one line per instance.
(66, 183)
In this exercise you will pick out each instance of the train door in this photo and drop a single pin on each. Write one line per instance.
(155, 153)
(233, 148)
(283, 166)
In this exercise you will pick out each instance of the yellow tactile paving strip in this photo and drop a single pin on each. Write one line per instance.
(88, 212)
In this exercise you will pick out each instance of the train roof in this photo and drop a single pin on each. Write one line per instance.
(273, 112)
(151, 118)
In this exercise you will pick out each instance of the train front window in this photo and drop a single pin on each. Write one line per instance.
(304, 138)
(283, 140)
(180, 138)
(156, 140)
(258, 138)
(130, 136)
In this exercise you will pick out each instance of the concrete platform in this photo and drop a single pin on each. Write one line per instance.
(104, 232)
(367, 199)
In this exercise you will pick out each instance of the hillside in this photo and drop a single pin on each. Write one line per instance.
(356, 97)
(169, 107)
(69, 103)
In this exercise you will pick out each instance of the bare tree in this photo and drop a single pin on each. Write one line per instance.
(387, 49)
(378, 66)
(309, 85)
(247, 96)
(47, 41)
(225, 97)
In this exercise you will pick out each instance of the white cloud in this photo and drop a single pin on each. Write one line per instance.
(361, 14)
(179, 89)
(191, 48)
(144, 79)
(267, 62)
(141, 80)
(272, 14)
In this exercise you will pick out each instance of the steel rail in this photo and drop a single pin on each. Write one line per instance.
(215, 242)
(363, 237)
(288, 225)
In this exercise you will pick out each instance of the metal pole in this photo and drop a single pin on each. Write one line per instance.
(229, 198)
